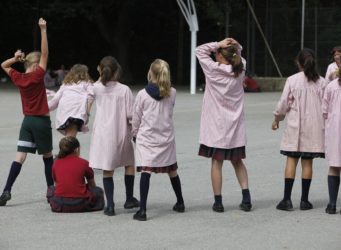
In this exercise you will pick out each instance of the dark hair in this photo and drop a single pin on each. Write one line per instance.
(306, 59)
(334, 50)
(231, 55)
(110, 69)
(67, 146)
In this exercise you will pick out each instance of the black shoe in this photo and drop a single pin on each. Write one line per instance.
(179, 207)
(133, 202)
(245, 206)
(285, 205)
(306, 205)
(140, 215)
(6, 196)
(330, 209)
(110, 211)
(218, 207)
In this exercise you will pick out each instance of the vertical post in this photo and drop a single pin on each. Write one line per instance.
(302, 24)
(190, 15)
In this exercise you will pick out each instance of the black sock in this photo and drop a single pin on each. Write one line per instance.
(218, 199)
(144, 188)
(288, 183)
(176, 184)
(48, 162)
(129, 183)
(13, 174)
(333, 188)
(108, 183)
(246, 196)
(305, 189)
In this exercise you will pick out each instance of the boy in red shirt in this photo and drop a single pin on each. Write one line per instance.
(35, 133)
(69, 172)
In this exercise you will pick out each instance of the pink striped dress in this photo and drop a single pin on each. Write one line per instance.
(111, 144)
(222, 118)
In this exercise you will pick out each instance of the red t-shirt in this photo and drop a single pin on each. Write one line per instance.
(32, 91)
(68, 174)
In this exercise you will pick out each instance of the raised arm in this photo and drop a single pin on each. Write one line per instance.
(44, 44)
(19, 56)
(203, 53)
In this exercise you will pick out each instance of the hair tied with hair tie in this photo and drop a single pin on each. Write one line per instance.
(234, 54)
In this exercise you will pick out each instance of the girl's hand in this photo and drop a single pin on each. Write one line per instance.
(19, 56)
(42, 24)
(275, 125)
(224, 43)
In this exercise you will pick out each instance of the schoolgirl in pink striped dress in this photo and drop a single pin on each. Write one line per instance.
(111, 146)
(154, 132)
(332, 114)
(222, 127)
(301, 103)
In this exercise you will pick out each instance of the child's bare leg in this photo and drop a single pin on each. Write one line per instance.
(242, 177)
(216, 176)
(129, 179)
(108, 184)
(71, 130)
(241, 173)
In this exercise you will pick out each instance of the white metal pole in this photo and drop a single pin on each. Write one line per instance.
(302, 24)
(193, 61)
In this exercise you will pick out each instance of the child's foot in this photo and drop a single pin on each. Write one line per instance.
(218, 207)
(50, 193)
(285, 205)
(110, 211)
(133, 202)
(6, 196)
(140, 215)
(179, 207)
(306, 205)
(245, 206)
(331, 209)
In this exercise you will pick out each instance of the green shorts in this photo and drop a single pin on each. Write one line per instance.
(35, 134)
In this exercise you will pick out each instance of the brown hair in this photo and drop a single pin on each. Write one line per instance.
(160, 70)
(334, 50)
(306, 59)
(67, 146)
(110, 69)
(78, 72)
(231, 55)
(31, 59)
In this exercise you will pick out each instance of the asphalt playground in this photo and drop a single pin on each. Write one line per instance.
(28, 223)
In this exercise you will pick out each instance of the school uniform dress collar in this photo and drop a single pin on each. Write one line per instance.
(153, 90)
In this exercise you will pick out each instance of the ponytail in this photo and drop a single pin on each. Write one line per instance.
(110, 70)
(232, 56)
(306, 59)
(160, 69)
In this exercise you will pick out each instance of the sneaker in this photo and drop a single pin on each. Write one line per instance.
(179, 207)
(218, 207)
(133, 202)
(330, 209)
(285, 205)
(109, 211)
(6, 196)
(140, 215)
(245, 206)
(50, 193)
(306, 205)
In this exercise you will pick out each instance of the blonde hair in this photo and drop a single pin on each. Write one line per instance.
(160, 70)
(31, 59)
(78, 72)
(110, 69)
